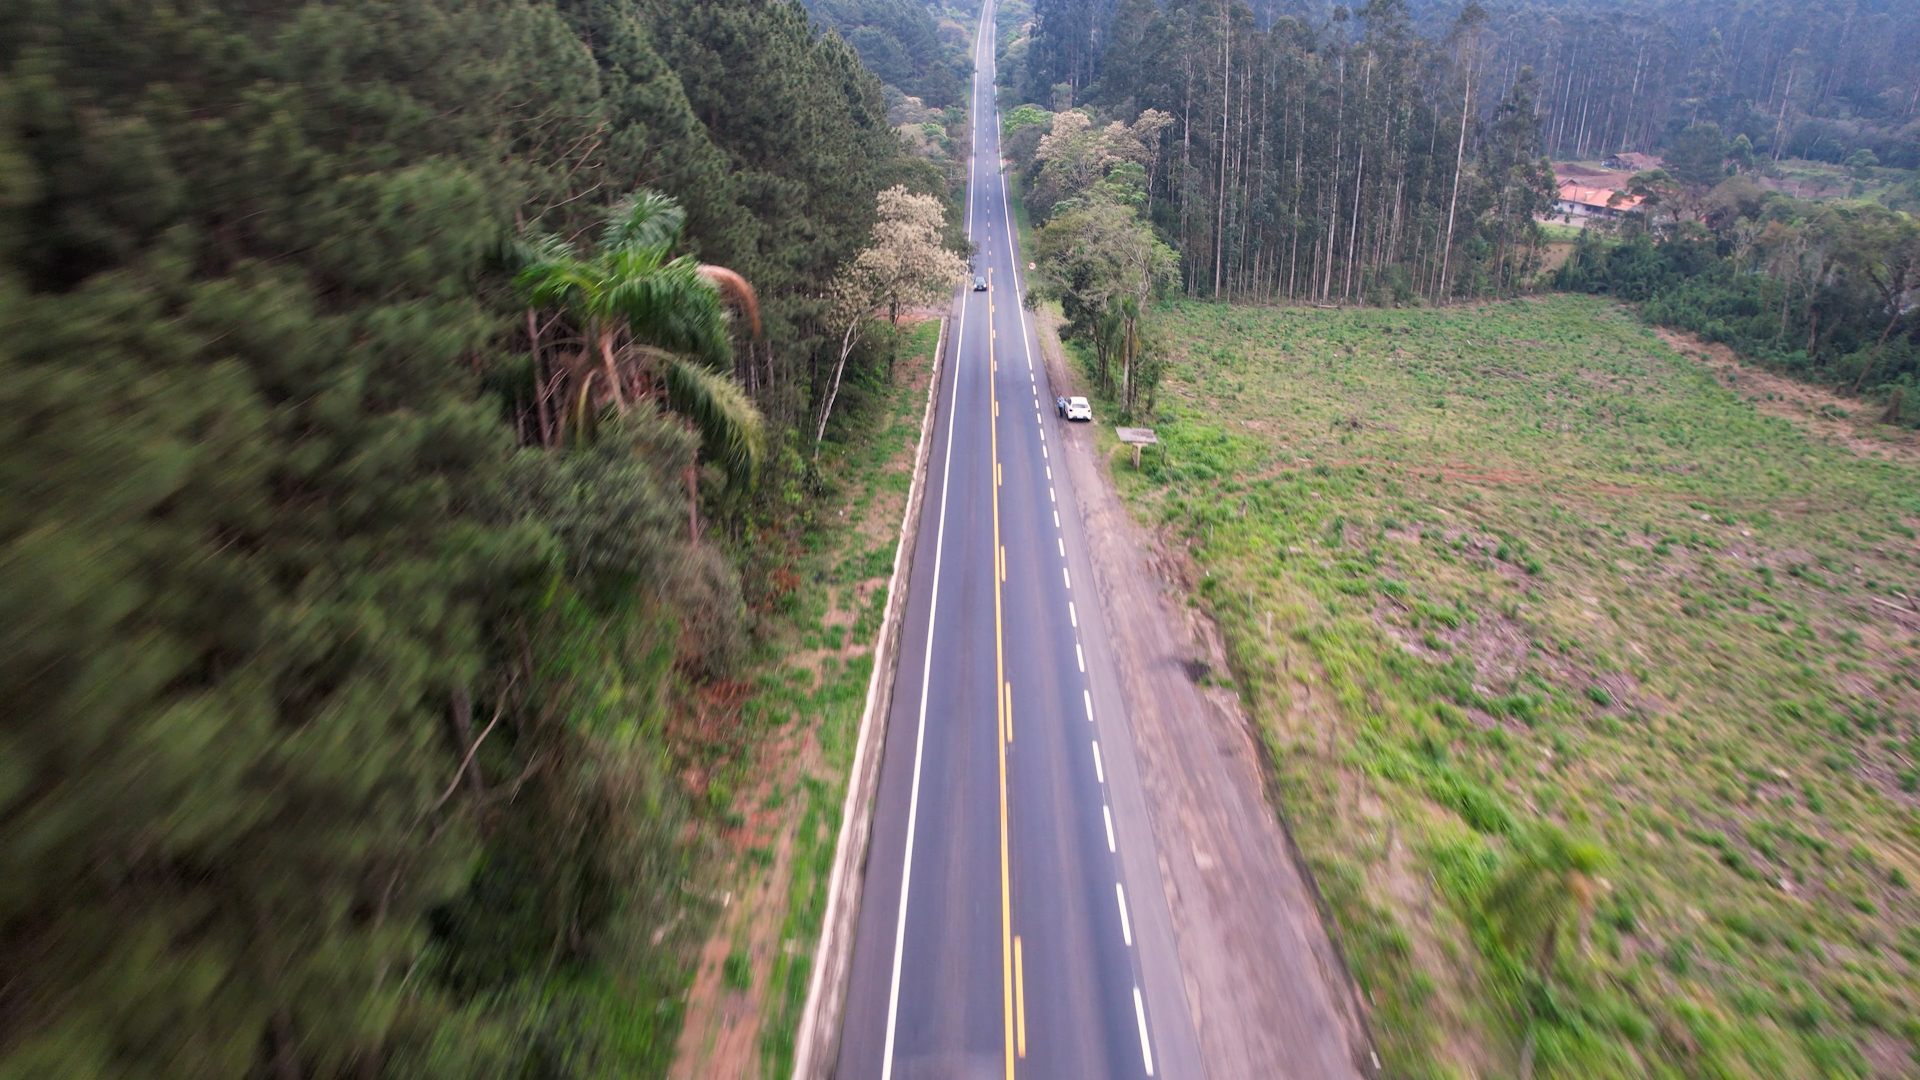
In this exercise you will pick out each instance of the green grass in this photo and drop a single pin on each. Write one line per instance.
(1523, 562)
(1828, 182)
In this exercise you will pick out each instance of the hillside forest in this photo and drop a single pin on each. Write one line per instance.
(408, 416)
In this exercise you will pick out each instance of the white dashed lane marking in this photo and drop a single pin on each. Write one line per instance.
(1140, 1015)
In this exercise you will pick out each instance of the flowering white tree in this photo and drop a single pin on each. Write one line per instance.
(907, 264)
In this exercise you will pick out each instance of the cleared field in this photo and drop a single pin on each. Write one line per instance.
(1593, 693)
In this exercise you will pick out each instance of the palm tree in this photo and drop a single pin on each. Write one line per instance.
(646, 325)
(1550, 882)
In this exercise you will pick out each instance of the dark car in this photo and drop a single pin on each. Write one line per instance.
(979, 283)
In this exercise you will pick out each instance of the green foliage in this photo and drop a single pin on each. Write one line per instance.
(1104, 265)
(337, 715)
(900, 43)
(1818, 292)
(1023, 116)
(1698, 155)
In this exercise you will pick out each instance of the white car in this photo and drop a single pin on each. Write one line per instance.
(1078, 409)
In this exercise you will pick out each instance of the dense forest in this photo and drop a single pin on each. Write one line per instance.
(1350, 160)
(1320, 154)
(899, 41)
(404, 409)
(1817, 80)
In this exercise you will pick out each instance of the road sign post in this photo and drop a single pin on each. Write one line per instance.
(1138, 437)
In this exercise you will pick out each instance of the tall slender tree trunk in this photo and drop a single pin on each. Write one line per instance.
(1226, 111)
(1333, 202)
(1786, 99)
(1633, 97)
(833, 391)
(1359, 176)
(1186, 167)
(1453, 203)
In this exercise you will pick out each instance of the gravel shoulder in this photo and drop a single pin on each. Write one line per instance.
(1267, 991)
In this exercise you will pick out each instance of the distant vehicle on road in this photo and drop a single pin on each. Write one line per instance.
(1077, 409)
(979, 283)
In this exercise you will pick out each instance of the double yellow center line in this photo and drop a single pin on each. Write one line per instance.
(1013, 988)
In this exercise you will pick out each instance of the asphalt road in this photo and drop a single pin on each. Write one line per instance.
(1013, 921)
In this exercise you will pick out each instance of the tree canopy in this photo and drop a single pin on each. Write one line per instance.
(336, 696)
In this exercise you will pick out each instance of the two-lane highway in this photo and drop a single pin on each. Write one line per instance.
(1000, 934)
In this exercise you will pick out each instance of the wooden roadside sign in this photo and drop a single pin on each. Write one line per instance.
(1137, 437)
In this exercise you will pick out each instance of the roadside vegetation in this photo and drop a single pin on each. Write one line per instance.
(406, 478)
(774, 754)
(1592, 691)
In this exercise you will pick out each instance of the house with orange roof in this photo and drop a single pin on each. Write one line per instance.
(1579, 200)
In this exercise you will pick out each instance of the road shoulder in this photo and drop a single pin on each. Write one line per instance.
(1265, 986)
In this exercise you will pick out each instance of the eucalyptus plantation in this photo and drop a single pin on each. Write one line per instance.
(1348, 161)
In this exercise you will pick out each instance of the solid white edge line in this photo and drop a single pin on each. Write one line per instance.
(1108, 814)
(1140, 1015)
(1126, 924)
(1099, 770)
(920, 731)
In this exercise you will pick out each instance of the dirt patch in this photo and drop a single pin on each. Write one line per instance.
(1827, 416)
(1592, 175)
